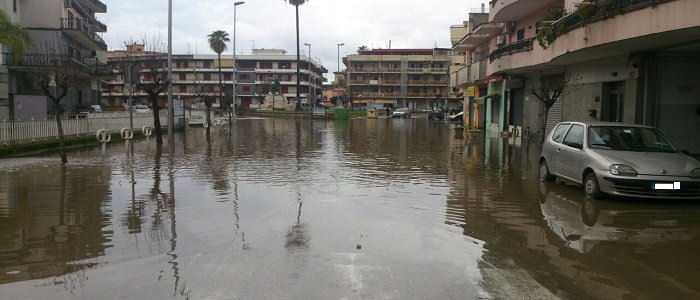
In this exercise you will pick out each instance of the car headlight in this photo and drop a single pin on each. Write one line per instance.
(623, 170)
(695, 173)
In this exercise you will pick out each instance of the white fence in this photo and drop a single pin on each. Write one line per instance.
(19, 132)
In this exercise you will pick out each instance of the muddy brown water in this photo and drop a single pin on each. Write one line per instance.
(366, 209)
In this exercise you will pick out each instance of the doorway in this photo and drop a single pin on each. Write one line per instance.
(613, 103)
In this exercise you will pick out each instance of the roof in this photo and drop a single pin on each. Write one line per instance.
(610, 124)
(416, 51)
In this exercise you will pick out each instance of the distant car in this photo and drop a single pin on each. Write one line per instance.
(619, 159)
(400, 113)
(96, 109)
(197, 120)
(141, 109)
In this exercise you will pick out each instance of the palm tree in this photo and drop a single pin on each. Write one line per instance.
(217, 43)
(13, 36)
(296, 4)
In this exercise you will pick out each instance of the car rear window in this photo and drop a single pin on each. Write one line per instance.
(559, 132)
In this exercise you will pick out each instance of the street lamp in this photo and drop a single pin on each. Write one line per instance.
(312, 89)
(234, 66)
(171, 108)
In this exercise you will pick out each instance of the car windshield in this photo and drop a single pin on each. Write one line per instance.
(638, 139)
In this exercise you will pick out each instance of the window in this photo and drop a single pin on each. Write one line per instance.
(182, 76)
(559, 133)
(520, 35)
(575, 137)
(285, 90)
(207, 64)
(265, 65)
(227, 76)
(207, 76)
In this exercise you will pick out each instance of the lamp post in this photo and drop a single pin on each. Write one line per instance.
(234, 66)
(339, 45)
(312, 89)
(171, 108)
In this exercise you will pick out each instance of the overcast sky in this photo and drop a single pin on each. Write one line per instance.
(270, 24)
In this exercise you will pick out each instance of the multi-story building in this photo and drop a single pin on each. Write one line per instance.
(197, 76)
(61, 32)
(11, 8)
(413, 78)
(631, 61)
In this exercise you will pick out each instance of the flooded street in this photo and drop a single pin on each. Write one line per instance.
(366, 209)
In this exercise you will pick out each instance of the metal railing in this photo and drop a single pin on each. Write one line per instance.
(19, 132)
(519, 46)
(78, 24)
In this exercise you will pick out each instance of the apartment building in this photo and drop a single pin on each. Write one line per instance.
(197, 76)
(414, 78)
(11, 8)
(61, 32)
(625, 61)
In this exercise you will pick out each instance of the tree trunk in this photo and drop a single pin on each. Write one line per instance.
(208, 118)
(544, 123)
(156, 120)
(61, 137)
(221, 87)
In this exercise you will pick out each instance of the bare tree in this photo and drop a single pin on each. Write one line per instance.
(549, 91)
(56, 79)
(154, 81)
(203, 92)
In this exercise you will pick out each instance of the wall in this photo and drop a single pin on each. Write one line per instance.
(50, 17)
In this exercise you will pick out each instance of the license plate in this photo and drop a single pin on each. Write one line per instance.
(675, 186)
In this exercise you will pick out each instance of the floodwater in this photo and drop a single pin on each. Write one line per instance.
(368, 209)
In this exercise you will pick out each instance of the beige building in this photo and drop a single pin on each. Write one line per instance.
(631, 61)
(197, 76)
(65, 31)
(414, 78)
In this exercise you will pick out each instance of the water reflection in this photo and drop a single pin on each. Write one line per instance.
(365, 209)
(50, 224)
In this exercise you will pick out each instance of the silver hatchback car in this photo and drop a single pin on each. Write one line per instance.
(619, 159)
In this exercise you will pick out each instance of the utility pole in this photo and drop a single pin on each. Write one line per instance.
(234, 66)
(339, 45)
(312, 88)
(171, 107)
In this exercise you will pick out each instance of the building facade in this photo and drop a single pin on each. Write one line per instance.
(414, 78)
(622, 61)
(62, 32)
(197, 76)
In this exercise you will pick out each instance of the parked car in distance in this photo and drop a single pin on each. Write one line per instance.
(141, 109)
(96, 109)
(619, 159)
(400, 113)
(197, 120)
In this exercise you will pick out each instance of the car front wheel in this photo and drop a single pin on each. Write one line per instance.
(591, 186)
(544, 172)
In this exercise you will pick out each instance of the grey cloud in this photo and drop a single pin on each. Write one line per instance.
(270, 23)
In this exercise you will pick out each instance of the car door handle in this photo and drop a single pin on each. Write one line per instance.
(558, 149)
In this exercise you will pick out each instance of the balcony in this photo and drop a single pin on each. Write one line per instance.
(512, 10)
(42, 60)
(477, 71)
(524, 45)
(82, 31)
(461, 77)
(428, 82)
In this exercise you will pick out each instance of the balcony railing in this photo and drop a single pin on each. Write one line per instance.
(45, 60)
(594, 10)
(428, 81)
(519, 46)
(77, 24)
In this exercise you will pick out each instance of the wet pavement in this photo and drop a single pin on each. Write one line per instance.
(367, 209)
